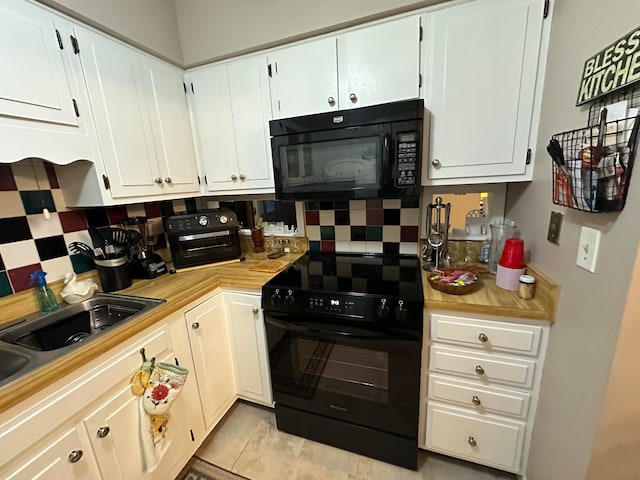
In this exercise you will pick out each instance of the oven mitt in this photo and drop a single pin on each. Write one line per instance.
(165, 383)
(140, 379)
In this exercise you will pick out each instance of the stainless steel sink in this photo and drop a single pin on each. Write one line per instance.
(39, 338)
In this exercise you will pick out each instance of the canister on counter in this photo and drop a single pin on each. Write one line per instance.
(527, 287)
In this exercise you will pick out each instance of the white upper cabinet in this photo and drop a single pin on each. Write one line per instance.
(230, 106)
(142, 122)
(304, 78)
(379, 64)
(481, 64)
(39, 98)
(372, 65)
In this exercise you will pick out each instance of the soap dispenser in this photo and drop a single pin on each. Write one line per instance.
(46, 299)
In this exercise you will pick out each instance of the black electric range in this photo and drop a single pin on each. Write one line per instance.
(344, 333)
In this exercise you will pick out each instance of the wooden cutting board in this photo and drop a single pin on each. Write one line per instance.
(270, 266)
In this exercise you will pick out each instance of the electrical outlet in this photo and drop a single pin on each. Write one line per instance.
(555, 222)
(588, 248)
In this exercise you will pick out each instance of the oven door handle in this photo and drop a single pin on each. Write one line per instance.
(341, 331)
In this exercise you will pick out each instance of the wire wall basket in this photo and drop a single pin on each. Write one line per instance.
(592, 166)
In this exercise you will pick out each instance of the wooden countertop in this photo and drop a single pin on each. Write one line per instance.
(179, 290)
(183, 288)
(492, 300)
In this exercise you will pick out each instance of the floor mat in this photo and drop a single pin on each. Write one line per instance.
(199, 469)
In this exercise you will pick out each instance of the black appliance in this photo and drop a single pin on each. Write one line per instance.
(143, 262)
(345, 334)
(201, 238)
(369, 152)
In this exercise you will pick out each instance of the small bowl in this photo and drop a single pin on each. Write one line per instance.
(451, 289)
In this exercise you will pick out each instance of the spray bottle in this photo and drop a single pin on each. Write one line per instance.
(46, 299)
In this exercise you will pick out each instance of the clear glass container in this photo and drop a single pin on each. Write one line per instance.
(500, 231)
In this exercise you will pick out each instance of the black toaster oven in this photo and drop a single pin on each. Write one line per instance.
(202, 238)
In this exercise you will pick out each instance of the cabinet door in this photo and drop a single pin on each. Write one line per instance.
(117, 91)
(66, 456)
(250, 104)
(171, 128)
(249, 346)
(115, 432)
(481, 63)
(34, 83)
(209, 336)
(379, 64)
(213, 124)
(304, 78)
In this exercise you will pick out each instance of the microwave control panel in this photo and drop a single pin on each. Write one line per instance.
(407, 148)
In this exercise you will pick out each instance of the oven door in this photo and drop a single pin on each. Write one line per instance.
(368, 377)
(188, 250)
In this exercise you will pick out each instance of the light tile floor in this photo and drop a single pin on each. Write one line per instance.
(248, 443)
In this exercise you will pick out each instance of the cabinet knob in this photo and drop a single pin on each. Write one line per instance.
(255, 310)
(74, 456)
(353, 98)
(475, 400)
(436, 163)
(168, 180)
(234, 177)
(158, 180)
(472, 441)
(103, 432)
(331, 101)
(195, 325)
(483, 338)
(479, 370)
(243, 178)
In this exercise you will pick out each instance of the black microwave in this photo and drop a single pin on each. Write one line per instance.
(368, 152)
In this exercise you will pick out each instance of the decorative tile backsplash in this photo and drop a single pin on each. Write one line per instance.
(363, 226)
(29, 242)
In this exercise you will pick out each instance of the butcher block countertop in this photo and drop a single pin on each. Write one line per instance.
(185, 287)
(490, 299)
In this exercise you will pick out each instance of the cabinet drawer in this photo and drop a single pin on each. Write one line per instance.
(481, 366)
(485, 334)
(483, 439)
(480, 398)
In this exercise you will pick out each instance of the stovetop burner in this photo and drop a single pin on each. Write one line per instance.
(387, 275)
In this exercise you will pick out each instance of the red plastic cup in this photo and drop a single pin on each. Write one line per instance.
(513, 254)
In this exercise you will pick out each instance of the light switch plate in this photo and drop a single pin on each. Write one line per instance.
(555, 222)
(588, 246)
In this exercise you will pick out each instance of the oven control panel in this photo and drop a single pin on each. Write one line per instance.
(207, 221)
(352, 306)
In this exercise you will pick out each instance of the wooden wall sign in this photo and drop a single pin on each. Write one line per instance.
(612, 68)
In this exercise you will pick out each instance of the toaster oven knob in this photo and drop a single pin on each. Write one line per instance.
(223, 219)
(383, 309)
(203, 221)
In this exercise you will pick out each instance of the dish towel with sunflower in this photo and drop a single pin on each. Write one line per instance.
(157, 385)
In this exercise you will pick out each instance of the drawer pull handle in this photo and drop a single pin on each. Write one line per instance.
(103, 432)
(195, 325)
(74, 456)
(479, 370)
(483, 338)
(475, 400)
(472, 441)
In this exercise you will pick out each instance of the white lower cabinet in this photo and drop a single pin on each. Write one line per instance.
(249, 346)
(486, 439)
(481, 379)
(209, 336)
(64, 455)
(87, 425)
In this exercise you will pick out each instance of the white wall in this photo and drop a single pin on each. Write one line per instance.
(583, 339)
(148, 24)
(215, 29)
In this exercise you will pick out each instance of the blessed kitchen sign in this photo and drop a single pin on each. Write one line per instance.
(611, 69)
